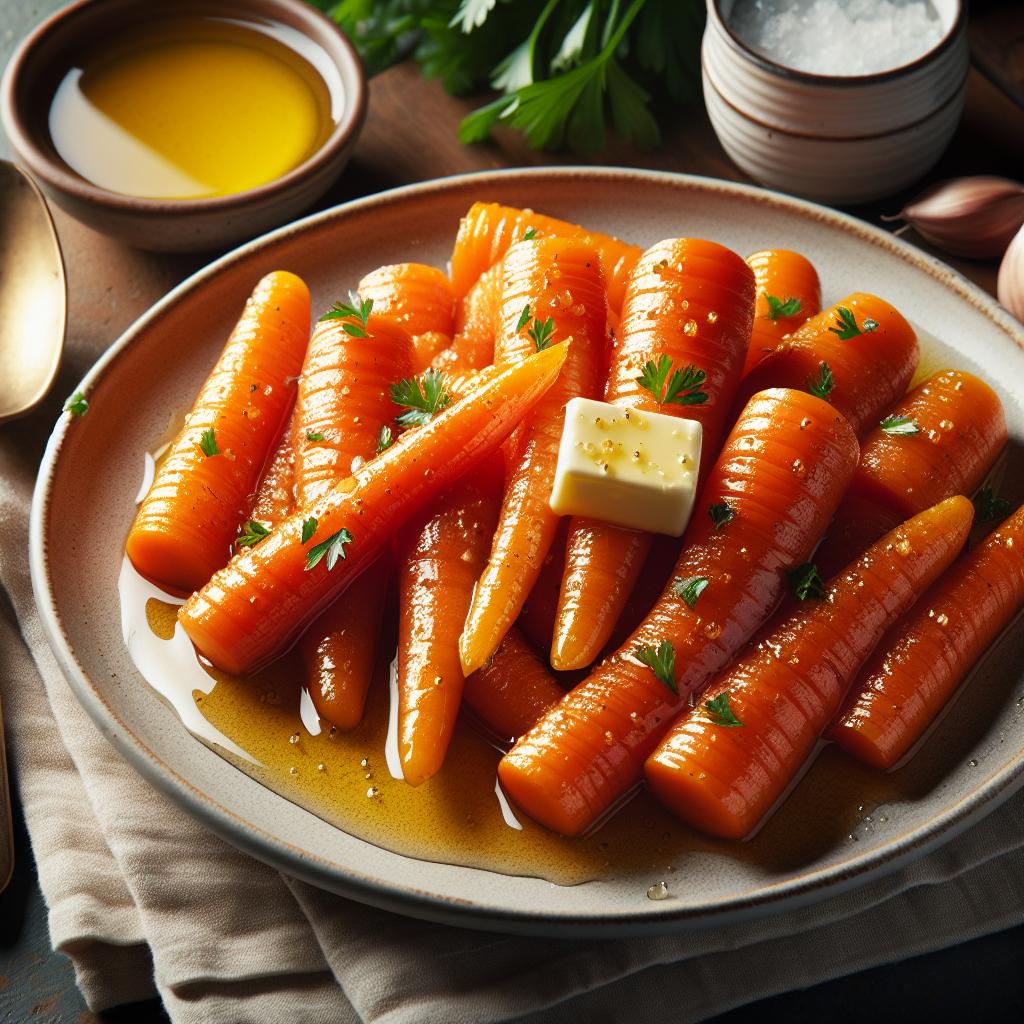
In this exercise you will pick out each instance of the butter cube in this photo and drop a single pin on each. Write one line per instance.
(627, 467)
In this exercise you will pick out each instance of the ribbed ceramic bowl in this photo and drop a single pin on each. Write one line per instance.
(92, 469)
(830, 138)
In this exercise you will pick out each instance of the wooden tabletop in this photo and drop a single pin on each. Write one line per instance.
(410, 135)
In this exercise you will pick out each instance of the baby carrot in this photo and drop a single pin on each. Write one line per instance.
(437, 572)
(537, 619)
(488, 231)
(766, 502)
(859, 354)
(552, 294)
(726, 762)
(691, 302)
(275, 497)
(923, 660)
(511, 692)
(292, 578)
(476, 318)
(185, 526)
(940, 440)
(788, 293)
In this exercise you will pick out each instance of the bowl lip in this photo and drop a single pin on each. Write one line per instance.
(956, 31)
(57, 175)
(405, 898)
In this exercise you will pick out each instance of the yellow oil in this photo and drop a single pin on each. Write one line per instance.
(190, 108)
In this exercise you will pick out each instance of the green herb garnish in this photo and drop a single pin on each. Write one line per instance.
(899, 426)
(308, 528)
(356, 309)
(529, 233)
(680, 387)
(208, 443)
(333, 548)
(541, 332)
(846, 324)
(720, 712)
(807, 582)
(421, 398)
(385, 439)
(524, 318)
(721, 515)
(252, 533)
(77, 404)
(662, 663)
(690, 589)
(779, 308)
(314, 435)
(822, 385)
(990, 506)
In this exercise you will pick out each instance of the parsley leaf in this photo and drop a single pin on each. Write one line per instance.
(899, 426)
(308, 528)
(356, 309)
(541, 332)
(777, 308)
(385, 439)
(690, 589)
(314, 435)
(681, 388)
(846, 324)
(807, 582)
(990, 506)
(208, 443)
(333, 548)
(822, 385)
(524, 318)
(251, 534)
(720, 712)
(662, 663)
(420, 398)
(77, 404)
(721, 514)
(529, 234)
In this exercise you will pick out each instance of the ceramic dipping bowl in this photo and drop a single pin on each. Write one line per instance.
(44, 58)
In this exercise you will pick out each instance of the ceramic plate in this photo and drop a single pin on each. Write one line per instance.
(839, 829)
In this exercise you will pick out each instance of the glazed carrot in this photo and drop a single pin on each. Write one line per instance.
(691, 301)
(354, 522)
(417, 298)
(275, 497)
(781, 473)
(923, 660)
(537, 619)
(788, 293)
(561, 282)
(444, 557)
(961, 430)
(344, 401)
(723, 777)
(488, 231)
(476, 318)
(185, 526)
(870, 367)
(513, 689)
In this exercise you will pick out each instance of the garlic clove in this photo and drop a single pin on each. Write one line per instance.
(1010, 286)
(974, 217)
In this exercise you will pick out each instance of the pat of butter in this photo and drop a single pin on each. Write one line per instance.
(627, 467)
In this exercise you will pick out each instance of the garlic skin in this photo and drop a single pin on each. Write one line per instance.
(1010, 286)
(974, 217)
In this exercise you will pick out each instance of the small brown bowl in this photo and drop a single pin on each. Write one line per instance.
(175, 225)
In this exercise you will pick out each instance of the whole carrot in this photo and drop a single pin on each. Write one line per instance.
(186, 524)
(552, 294)
(488, 231)
(766, 502)
(689, 302)
(859, 354)
(788, 293)
(292, 577)
(442, 560)
(725, 763)
(511, 692)
(941, 439)
(923, 660)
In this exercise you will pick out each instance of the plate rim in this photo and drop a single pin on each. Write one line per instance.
(808, 888)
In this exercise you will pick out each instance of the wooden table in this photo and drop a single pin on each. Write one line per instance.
(410, 136)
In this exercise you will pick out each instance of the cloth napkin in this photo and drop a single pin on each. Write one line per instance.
(145, 901)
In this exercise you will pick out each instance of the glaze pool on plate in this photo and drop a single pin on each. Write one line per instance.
(135, 385)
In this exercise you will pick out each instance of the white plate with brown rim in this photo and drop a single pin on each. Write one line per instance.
(444, 851)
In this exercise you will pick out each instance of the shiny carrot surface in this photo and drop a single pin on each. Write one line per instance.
(779, 479)
(511, 692)
(476, 321)
(860, 353)
(561, 283)
(690, 301)
(254, 608)
(726, 762)
(275, 497)
(925, 657)
(788, 293)
(537, 619)
(187, 523)
(488, 231)
(437, 572)
(958, 432)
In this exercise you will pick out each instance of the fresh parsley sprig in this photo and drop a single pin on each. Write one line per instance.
(806, 582)
(421, 398)
(662, 662)
(899, 426)
(690, 589)
(353, 310)
(208, 443)
(252, 533)
(782, 308)
(331, 549)
(846, 324)
(308, 528)
(990, 506)
(823, 384)
(542, 333)
(672, 387)
(720, 712)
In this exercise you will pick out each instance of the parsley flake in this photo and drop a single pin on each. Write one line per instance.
(899, 426)
(524, 318)
(308, 528)
(421, 398)
(720, 712)
(779, 308)
(662, 663)
(252, 533)
(990, 506)
(208, 443)
(846, 324)
(822, 385)
(314, 435)
(77, 404)
(355, 309)
(385, 439)
(529, 233)
(807, 582)
(333, 548)
(690, 589)
(681, 387)
(721, 514)
(541, 332)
